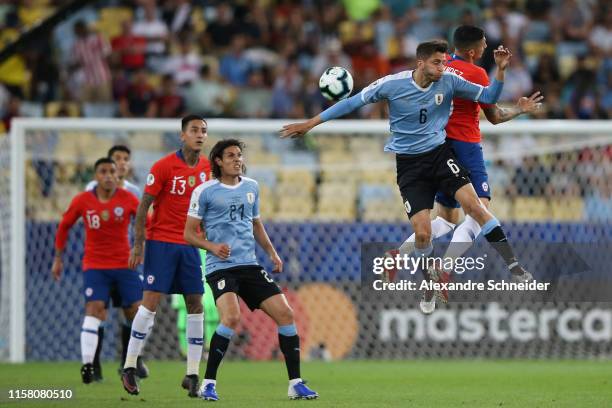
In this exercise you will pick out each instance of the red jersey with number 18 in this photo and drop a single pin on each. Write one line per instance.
(171, 181)
(106, 228)
(464, 122)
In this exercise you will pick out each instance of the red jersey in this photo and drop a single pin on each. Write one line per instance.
(464, 122)
(106, 228)
(171, 181)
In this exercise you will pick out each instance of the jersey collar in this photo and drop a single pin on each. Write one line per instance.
(180, 155)
(235, 186)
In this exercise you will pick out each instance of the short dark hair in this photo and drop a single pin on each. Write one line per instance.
(118, 148)
(429, 48)
(217, 153)
(466, 36)
(185, 121)
(101, 161)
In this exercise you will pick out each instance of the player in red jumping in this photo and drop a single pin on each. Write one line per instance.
(170, 264)
(106, 212)
(463, 133)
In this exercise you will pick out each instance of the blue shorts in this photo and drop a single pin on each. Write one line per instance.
(469, 155)
(97, 284)
(172, 268)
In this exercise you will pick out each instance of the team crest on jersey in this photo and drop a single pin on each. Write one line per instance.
(221, 284)
(88, 292)
(202, 177)
(118, 211)
(191, 181)
(105, 215)
(251, 198)
(439, 98)
(150, 179)
(485, 186)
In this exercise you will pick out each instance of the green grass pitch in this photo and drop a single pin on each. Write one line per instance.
(446, 383)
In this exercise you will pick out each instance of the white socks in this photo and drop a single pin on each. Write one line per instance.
(439, 228)
(195, 341)
(463, 237)
(141, 326)
(294, 381)
(89, 338)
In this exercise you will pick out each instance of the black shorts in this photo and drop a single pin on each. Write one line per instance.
(252, 283)
(420, 176)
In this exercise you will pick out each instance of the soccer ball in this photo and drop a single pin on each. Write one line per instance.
(336, 83)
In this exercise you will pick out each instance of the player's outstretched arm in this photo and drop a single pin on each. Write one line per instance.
(195, 236)
(137, 254)
(496, 114)
(262, 238)
(340, 109)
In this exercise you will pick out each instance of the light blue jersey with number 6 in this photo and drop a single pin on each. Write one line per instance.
(417, 116)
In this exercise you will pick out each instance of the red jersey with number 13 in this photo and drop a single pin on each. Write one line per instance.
(171, 181)
(464, 122)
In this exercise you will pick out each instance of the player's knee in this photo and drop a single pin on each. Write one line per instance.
(475, 210)
(130, 312)
(195, 308)
(285, 316)
(96, 310)
(194, 304)
(231, 320)
(422, 236)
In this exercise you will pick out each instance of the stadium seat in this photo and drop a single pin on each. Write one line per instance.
(531, 209)
(294, 208)
(264, 176)
(71, 109)
(384, 211)
(99, 110)
(264, 159)
(567, 209)
(147, 141)
(303, 177)
(32, 109)
(374, 192)
(501, 206)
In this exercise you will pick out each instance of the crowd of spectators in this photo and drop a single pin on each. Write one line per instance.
(262, 58)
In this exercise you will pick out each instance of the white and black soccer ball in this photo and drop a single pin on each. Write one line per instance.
(336, 83)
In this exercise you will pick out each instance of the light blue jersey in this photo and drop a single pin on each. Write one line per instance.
(227, 214)
(131, 187)
(417, 116)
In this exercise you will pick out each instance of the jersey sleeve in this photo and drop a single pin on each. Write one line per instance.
(156, 179)
(256, 204)
(71, 215)
(477, 93)
(342, 108)
(481, 78)
(194, 205)
(375, 91)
